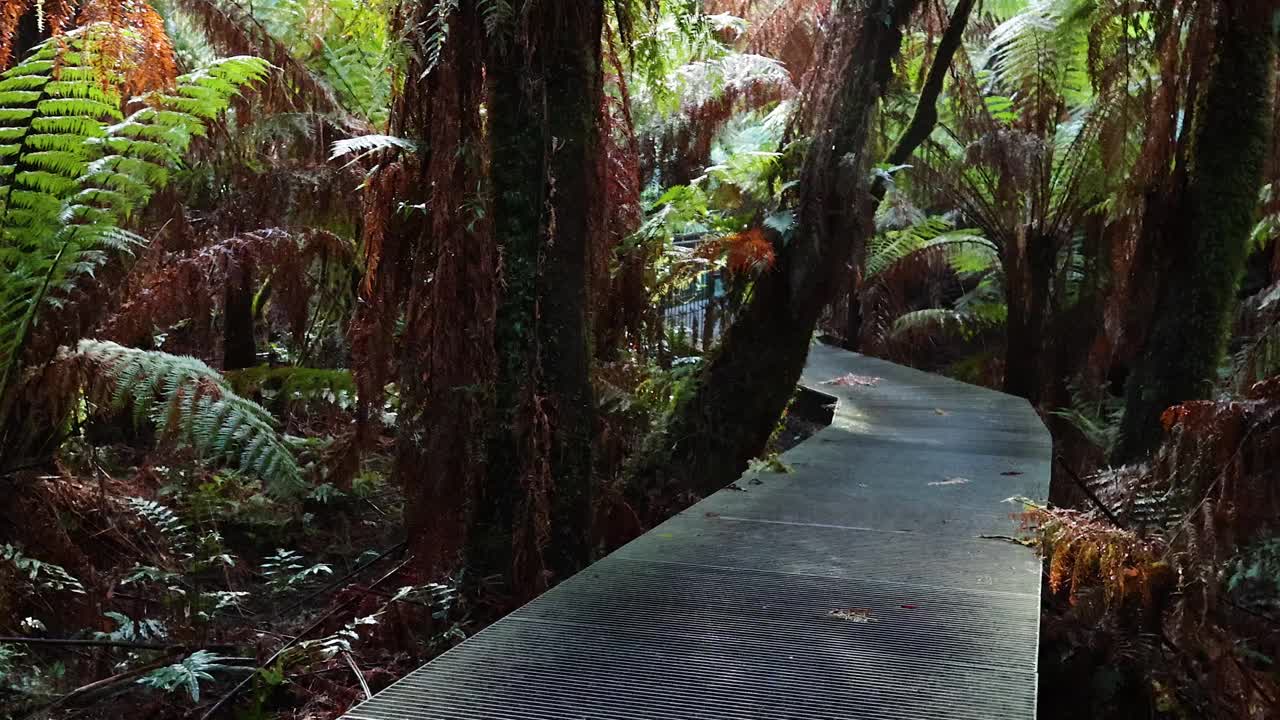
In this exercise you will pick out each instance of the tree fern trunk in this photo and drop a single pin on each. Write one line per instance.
(446, 366)
(239, 348)
(730, 410)
(1193, 314)
(544, 90)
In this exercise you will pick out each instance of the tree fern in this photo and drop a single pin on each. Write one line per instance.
(73, 167)
(191, 403)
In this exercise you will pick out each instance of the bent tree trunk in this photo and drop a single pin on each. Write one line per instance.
(544, 92)
(727, 414)
(1194, 312)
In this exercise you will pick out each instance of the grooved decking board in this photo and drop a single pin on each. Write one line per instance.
(724, 611)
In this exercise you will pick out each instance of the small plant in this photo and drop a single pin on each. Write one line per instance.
(130, 630)
(42, 575)
(285, 570)
(187, 674)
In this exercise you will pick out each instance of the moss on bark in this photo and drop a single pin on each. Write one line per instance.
(1193, 314)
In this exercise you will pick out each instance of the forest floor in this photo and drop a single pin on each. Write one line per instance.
(176, 558)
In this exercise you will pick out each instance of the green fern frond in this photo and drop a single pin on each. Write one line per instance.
(191, 403)
(73, 168)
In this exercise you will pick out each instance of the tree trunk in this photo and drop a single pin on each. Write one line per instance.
(544, 88)
(1193, 313)
(923, 121)
(239, 347)
(1029, 274)
(447, 365)
(730, 410)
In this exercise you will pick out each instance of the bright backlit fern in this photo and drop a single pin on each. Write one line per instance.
(73, 167)
(191, 403)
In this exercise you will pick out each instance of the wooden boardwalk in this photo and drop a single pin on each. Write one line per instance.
(856, 586)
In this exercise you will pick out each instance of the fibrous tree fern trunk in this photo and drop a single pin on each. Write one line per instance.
(446, 361)
(1208, 249)
(544, 87)
(1029, 270)
(726, 417)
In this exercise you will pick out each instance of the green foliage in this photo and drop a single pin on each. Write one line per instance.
(1098, 420)
(284, 570)
(186, 675)
(74, 168)
(362, 146)
(191, 403)
(41, 575)
(288, 384)
(1253, 576)
(130, 630)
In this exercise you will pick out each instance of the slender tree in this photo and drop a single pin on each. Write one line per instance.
(1208, 246)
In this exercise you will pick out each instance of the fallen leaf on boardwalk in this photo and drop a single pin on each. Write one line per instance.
(755, 481)
(951, 481)
(1011, 472)
(712, 515)
(858, 615)
(852, 379)
(734, 486)
(940, 411)
(907, 607)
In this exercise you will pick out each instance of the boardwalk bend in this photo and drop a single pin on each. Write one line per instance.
(856, 586)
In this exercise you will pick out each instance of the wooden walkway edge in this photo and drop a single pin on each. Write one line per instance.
(858, 585)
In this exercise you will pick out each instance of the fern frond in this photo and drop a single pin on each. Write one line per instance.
(364, 145)
(73, 168)
(191, 403)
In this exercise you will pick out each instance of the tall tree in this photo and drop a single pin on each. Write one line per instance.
(446, 360)
(735, 401)
(545, 82)
(1208, 246)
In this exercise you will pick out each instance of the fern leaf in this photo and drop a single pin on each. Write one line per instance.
(191, 403)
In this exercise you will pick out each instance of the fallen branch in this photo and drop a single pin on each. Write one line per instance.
(100, 687)
(1089, 493)
(113, 643)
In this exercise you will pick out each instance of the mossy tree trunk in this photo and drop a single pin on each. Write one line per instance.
(544, 96)
(726, 416)
(1208, 250)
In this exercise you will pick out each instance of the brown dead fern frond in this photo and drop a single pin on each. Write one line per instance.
(233, 30)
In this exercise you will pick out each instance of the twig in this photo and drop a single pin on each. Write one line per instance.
(1089, 493)
(390, 596)
(111, 643)
(368, 694)
(225, 699)
(1007, 538)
